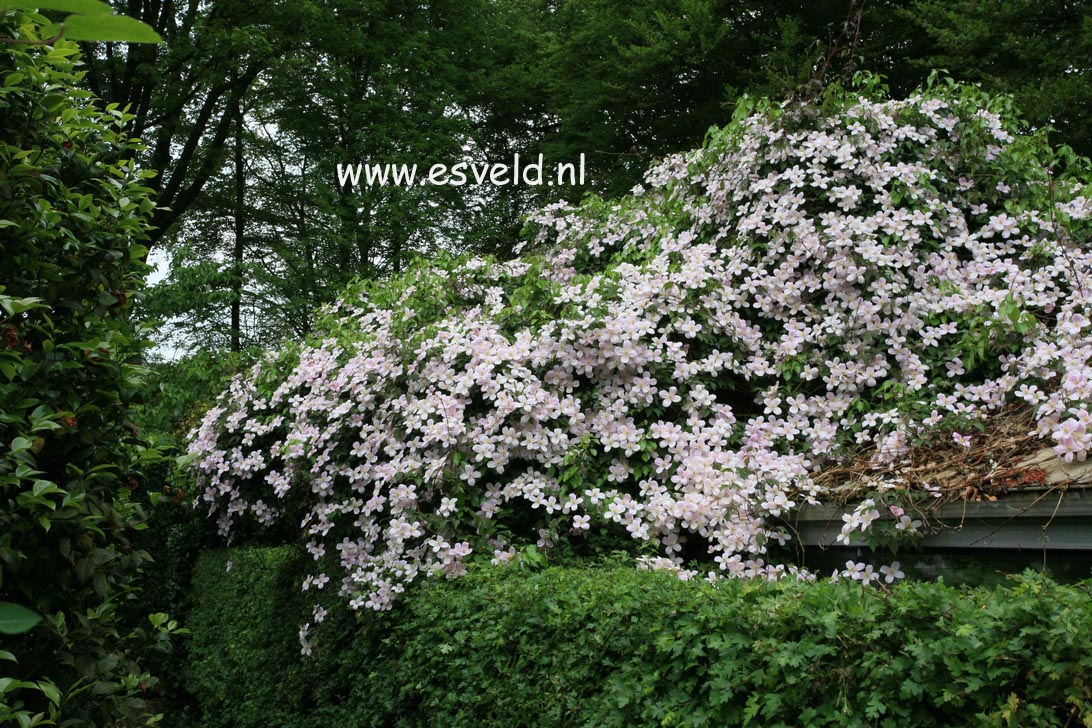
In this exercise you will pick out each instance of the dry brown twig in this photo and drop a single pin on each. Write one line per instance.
(990, 468)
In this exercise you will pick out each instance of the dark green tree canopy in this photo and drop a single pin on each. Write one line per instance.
(298, 88)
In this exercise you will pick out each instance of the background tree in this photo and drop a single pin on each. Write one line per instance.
(184, 95)
(375, 83)
(1039, 51)
(379, 81)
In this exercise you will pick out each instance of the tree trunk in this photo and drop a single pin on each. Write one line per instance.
(240, 229)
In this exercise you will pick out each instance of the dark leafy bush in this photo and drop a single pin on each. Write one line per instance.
(621, 649)
(176, 535)
(611, 646)
(73, 211)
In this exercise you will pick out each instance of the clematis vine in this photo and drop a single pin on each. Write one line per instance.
(675, 366)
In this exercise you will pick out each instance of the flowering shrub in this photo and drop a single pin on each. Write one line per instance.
(852, 273)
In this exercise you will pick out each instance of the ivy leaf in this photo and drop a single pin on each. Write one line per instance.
(16, 619)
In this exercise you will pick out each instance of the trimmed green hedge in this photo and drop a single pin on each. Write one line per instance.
(244, 664)
(615, 647)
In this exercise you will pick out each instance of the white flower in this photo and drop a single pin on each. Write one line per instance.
(892, 573)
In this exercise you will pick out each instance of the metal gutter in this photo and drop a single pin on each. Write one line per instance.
(1053, 519)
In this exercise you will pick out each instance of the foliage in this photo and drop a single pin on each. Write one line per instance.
(245, 612)
(16, 619)
(1027, 48)
(176, 536)
(184, 94)
(624, 83)
(184, 388)
(675, 364)
(73, 210)
(317, 84)
(650, 651)
(275, 229)
(90, 20)
(630, 82)
(610, 646)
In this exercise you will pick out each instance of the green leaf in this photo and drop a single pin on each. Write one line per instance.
(20, 305)
(50, 691)
(44, 487)
(16, 619)
(109, 28)
(91, 7)
(5, 655)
